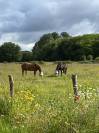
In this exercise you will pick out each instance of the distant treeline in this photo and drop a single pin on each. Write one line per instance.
(54, 46)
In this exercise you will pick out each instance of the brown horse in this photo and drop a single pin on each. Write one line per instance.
(61, 67)
(31, 67)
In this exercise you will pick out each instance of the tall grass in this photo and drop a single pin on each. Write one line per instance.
(46, 105)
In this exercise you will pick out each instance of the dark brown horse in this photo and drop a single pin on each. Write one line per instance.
(31, 67)
(61, 67)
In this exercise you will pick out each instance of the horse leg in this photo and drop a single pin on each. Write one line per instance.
(22, 72)
(58, 72)
(61, 72)
(26, 72)
(34, 73)
(65, 70)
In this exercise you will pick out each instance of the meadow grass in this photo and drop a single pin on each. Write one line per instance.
(46, 105)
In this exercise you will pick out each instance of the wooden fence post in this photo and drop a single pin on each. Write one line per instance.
(11, 83)
(75, 87)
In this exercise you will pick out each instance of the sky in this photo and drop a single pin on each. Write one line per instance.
(25, 21)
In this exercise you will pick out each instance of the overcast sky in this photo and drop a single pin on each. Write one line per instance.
(24, 21)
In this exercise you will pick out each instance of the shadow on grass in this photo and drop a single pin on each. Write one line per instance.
(52, 75)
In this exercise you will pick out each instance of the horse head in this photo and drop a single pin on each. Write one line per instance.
(41, 74)
(56, 72)
(61, 67)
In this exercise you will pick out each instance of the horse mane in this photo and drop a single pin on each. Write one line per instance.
(37, 67)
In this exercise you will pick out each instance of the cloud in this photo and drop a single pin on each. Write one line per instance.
(27, 47)
(25, 21)
(83, 27)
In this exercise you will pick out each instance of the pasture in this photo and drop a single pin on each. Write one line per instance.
(46, 104)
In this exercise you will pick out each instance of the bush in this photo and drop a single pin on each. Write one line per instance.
(97, 59)
(83, 57)
(90, 57)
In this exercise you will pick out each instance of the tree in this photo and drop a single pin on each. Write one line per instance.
(69, 50)
(9, 52)
(95, 48)
(65, 34)
(53, 46)
(55, 35)
(42, 46)
(26, 56)
(45, 39)
(90, 57)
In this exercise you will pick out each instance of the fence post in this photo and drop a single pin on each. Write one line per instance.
(11, 83)
(75, 87)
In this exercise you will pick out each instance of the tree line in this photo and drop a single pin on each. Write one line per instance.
(54, 46)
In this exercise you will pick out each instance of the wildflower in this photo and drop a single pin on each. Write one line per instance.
(2, 115)
(90, 88)
(14, 127)
(37, 105)
(87, 91)
(22, 126)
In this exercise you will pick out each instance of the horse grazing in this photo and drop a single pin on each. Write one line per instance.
(61, 67)
(31, 67)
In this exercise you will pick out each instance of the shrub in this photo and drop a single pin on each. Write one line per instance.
(90, 57)
(97, 59)
(84, 58)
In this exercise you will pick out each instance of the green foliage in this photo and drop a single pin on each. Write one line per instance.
(68, 50)
(45, 48)
(96, 48)
(90, 57)
(26, 56)
(55, 35)
(97, 59)
(83, 57)
(65, 34)
(9, 52)
(53, 46)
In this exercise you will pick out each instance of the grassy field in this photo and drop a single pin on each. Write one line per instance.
(46, 105)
